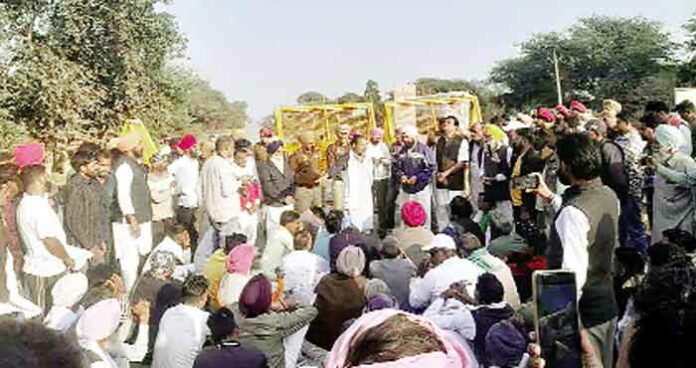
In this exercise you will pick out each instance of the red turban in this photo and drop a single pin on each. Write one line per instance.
(413, 214)
(256, 297)
(545, 115)
(562, 110)
(187, 142)
(577, 106)
(266, 133)
(28, 155)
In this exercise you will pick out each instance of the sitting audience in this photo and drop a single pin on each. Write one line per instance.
(395, 269)
(216, 266)
(226, 350)
(239, 263)
(340, 297)
(66, 293)
(183, 328)
(491, 310)
(414, 234)
(281, 243)
(263, 324)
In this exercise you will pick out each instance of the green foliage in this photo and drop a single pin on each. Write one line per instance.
(350, 97)
(373, 95)
(78, 68)
(686, 71)
(599, 57)
(312, 98)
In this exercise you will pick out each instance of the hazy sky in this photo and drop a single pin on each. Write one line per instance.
(267, 52)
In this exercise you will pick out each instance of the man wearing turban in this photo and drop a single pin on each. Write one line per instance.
(414, 168)
(497, 168)
(132, 215)
(185, 170)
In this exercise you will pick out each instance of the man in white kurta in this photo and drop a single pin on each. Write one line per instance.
(358, 186)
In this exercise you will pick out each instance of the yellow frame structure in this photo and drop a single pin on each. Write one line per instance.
(475, 115)
(324, 109)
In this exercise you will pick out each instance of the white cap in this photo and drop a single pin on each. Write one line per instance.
(441, 241)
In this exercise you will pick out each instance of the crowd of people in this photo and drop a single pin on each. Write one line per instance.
(410, 254)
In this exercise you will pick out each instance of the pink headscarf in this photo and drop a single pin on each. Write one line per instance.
(99, 321)
(28, 155)
(241, 259)
(413, 214)
(377, 133)
(563, 110)
(454, 355)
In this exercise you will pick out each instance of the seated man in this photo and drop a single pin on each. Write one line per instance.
(436, 273)
(227, 351)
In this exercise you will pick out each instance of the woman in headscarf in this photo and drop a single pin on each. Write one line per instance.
(96, 327)
(340, 297)
(263, 325)
(239, 263)
(162, 264)
(674, 198)
(391, 338)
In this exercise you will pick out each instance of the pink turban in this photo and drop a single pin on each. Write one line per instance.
(562, 110)
(377, 133)
(241, 258)
(452, 356)
(577, 106)
(28, 155)
(413, 214)
(256, 297)
(545, 115)
(187, 142)
(99, 321)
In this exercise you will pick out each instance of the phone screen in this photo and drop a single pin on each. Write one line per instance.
(556, 318)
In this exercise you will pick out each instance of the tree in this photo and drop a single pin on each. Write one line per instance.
(350, 97)
(312, 98)
(600, 57)
(686, 71)
(210, 108)
(373, 95)
(76, 67)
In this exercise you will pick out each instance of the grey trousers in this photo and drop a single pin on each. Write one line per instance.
(602, 339)
(40, 290)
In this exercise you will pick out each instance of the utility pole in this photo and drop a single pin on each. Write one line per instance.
(558, 77)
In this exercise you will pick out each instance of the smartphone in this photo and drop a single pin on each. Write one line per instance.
(556, 318)
(525, 182)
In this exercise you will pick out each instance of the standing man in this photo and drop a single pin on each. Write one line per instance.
(497, 167)
(378, 152)
(305, 164)
(337, 162)
(132, 212)
(414, 166)
(266, 136)
(185, 170)
(277, 186)
(452, 156)
(584, 236)
(358, 194)
(631, 228)
(476, 148)
(83, 210)
(48, 254)
(219, 192)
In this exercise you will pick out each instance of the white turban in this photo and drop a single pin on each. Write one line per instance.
(99, 321)
(410, 131)
(69, 289)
